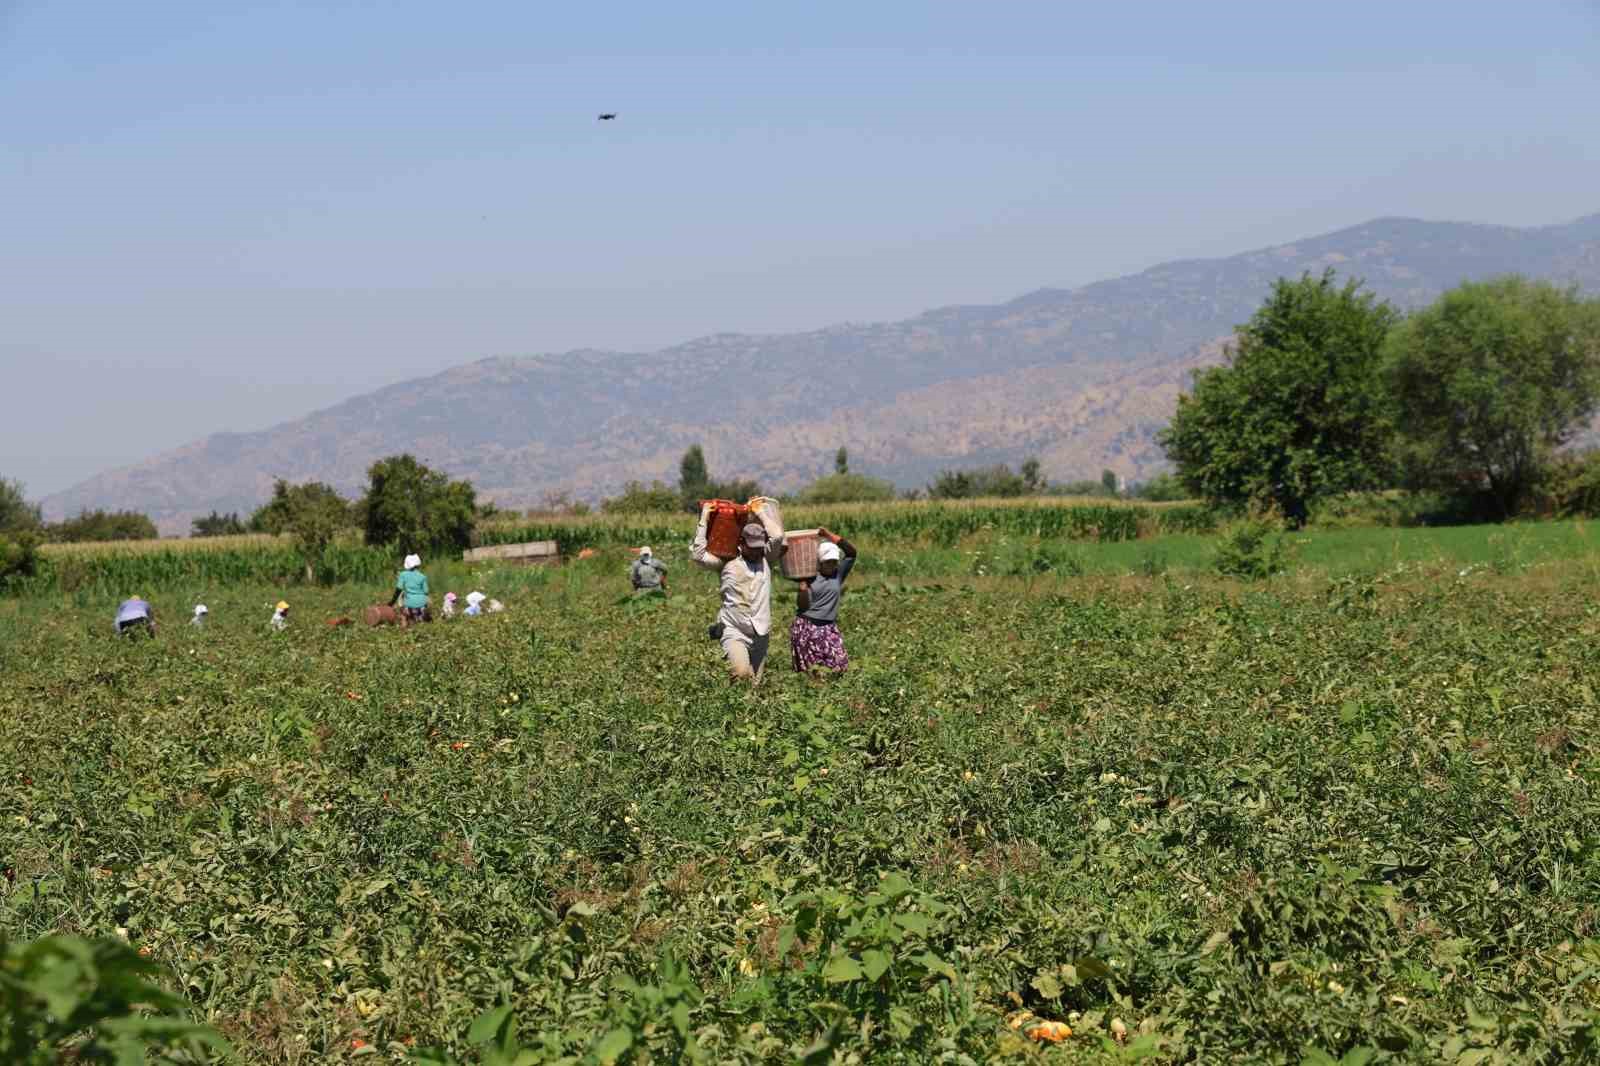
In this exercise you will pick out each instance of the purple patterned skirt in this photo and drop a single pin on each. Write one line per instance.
(817, 645)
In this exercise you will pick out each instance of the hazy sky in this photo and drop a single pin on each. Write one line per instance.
(223, 216)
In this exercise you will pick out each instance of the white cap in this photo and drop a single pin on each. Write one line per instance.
(644, 551)
(413, 561)
(200, 609)
(475, 598)
(828, 552)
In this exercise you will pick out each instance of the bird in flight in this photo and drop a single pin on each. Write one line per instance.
(608, 116)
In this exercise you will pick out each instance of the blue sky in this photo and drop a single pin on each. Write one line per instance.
(222, 216)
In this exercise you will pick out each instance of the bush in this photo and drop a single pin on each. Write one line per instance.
(217, 525)
(637, 498)
(103, 525)
(989, 481)
(846, 488)
(1251, 549)
(1570, 486)
(19, 557)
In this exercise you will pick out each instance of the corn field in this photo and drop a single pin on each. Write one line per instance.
(123, 568)
(942, 523)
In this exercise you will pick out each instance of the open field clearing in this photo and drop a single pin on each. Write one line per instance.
(1193, 820)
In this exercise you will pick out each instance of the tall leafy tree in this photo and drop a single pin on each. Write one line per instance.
(693, 477)
(416, 509)
(1297, 412)
(1489, 381)
(16, 513)
(841, 461)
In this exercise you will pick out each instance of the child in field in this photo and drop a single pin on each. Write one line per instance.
(814, 638)
(449, 608)
(280, 617)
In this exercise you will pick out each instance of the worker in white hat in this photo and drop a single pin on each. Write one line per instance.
(199, 619)
(411, 592)
(814, 637)
(648, 574)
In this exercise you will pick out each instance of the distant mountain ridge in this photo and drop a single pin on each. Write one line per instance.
(1082, 377)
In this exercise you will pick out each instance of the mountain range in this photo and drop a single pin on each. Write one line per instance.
(1083, 378)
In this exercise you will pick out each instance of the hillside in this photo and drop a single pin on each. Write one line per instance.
(1081, 377)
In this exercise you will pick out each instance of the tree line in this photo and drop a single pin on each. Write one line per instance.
(1328, 390)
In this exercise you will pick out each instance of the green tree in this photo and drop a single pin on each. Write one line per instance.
(1488, 382)
(1033, 475)
(1108, 482)
(1163, 488)
(103, 525)
(997, 480)
(415, 509)
(846, 488)
(693, 478)
(217, 525)
(1297, 412)
(312, 514)
(637, 498)
(841, 461)
(16, 513)
(276, 515)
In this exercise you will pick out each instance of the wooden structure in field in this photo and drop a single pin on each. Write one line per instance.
(530, 553)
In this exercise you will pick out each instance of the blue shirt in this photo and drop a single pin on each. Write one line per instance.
(130, 610)
(414, 583)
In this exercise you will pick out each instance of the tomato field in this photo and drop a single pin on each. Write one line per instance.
(1344, 818)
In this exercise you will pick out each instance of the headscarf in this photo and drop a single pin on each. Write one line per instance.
(828, 551)
(475, 598)
(644, 552)
(413, 561)
(449, 597)
(200, 610)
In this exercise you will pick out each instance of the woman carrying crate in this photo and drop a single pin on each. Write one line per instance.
(814, 638)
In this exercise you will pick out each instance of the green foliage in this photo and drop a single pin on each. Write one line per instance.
(217, 525)
(638, 498)
(17, 515)
(841, 461)
(997, 481)
(1570, 485)
(693, 474)
(101, 525)
(1163, 488)
(1488, 382)
(846, 488)
(276, 516)
(410, 508)
(1200, 822)
(19, 558)
(1250, 548)
(1297, 413)
(63, 998)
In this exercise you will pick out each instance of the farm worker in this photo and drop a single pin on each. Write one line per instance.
(449, 604)
(474, 604)
(648, 574)
(495, 607)
(746, 580)
(134, 614)
(814, 637)
(280, 616)
(411, 592)
(200, 613)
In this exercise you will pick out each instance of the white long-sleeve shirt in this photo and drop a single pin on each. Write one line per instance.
(746, 588)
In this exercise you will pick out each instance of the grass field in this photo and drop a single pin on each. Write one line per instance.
(1346, 814)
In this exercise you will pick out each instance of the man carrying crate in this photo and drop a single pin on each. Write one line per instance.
(746, 580)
